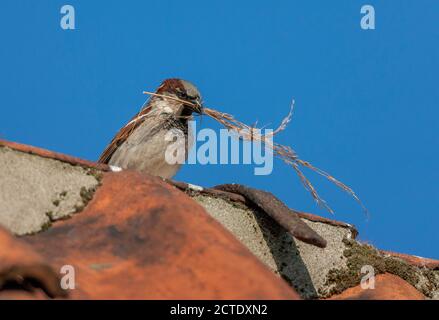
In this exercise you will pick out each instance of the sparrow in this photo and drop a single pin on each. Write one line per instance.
(142, 143)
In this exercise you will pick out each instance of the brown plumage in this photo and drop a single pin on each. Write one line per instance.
(141, 143)
(122, 135)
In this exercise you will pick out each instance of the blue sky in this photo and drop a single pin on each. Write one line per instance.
(366, 101)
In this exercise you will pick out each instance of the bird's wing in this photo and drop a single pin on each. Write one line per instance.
(123, 135)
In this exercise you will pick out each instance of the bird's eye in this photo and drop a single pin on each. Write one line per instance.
(182, 94)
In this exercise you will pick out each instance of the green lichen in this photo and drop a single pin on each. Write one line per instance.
(61, 196)
(79, 207)
(86, 195)
(49, 214)
(359, 255)
(97, 174)
(432, 278)
(402, 269)
(48, 224)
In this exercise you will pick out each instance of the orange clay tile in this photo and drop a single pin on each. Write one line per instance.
(414, 260)
(139, 238)
(20, 265)
(387, 287)
(53, 155)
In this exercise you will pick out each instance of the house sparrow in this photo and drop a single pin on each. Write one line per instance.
(142, 143)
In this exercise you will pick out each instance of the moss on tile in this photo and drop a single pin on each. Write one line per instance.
(97, 174)
(358, 255)
(86, 194)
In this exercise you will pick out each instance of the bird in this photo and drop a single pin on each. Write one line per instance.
(142, 143)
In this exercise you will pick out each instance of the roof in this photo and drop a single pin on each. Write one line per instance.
(133, 236)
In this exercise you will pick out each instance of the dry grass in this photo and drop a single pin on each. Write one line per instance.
(286, 153)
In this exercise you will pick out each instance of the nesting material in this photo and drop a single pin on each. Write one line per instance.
(285, 153)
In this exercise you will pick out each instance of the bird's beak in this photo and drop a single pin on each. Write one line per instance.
(198, 106)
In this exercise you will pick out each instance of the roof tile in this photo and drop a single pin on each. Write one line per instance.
(387, 287)
(139, 238)
(53, 155)
(414, 260)
(21, 266)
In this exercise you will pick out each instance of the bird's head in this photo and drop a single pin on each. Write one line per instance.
(184, 91)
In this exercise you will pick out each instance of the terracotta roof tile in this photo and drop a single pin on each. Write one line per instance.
(53, 155)
(414, 260)
(21, 266)
(144, 239)
(139, 238)
(387, 287)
